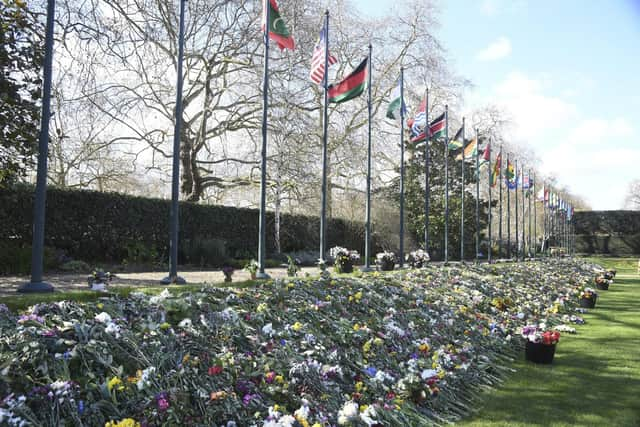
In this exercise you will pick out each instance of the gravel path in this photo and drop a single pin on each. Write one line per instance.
(69, 282)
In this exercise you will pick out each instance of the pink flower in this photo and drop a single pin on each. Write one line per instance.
(215, 370)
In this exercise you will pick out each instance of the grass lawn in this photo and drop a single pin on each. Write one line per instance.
(595, 376)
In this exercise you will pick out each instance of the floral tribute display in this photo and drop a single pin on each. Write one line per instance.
(411, 348)
(386, 260)
(418, 258)
(537, 334)
(343, 259)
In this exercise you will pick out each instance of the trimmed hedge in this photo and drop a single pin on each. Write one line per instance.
(111, 227)
(608, 232)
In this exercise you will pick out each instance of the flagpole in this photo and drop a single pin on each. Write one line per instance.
(508, 213)
(367, 237)
(535, 220)
(325, 80)
(427, 190)
(401, 254)
(524, 222)
(489, 225)
(517, 222)
(36, 284)
(446, 183)
(500, 209)
(529, 235)
(462, 197)
(477, 198)
(175, 189)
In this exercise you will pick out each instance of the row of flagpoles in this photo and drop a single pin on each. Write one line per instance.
(556, 212)
(350, 87)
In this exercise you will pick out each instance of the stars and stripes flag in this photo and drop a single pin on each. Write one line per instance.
(317, 60)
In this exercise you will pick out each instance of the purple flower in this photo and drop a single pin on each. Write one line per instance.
(163, 401)
(371, 371)
(249, 397)
(80, 407)
(283, 342)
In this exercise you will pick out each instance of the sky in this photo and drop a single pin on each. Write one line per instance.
(567, 72)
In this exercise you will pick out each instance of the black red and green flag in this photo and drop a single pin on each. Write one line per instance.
(351, 86)
(496, 170)
(278, 31)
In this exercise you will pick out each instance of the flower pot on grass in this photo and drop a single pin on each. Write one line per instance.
(588, 302)
(538, 352)
(387, 265)
(386, 261)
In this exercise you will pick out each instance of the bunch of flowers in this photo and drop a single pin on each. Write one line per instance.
(400, 349)
(540, 335)
(417, 258)
(589, 293)
(98, 279)
(343, 259)
(386, 260)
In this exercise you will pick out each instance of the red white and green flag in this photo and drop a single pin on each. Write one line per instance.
(486, 156)
(278, 31)
(351, 86)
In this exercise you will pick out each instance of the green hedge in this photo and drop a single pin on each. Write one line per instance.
(110, 227)
(608, 232)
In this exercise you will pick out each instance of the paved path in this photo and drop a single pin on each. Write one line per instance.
(68, 282)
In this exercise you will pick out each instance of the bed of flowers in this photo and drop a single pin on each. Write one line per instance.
(414, 347)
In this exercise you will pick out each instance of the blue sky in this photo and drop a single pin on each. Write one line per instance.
(566, 71)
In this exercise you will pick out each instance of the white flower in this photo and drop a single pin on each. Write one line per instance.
(103, 317)
(286, 421)
(185, 323)
(369, 415)
(267, 329)
(348, 412)
(159, 298)
(113, 329)
(145, 377)
(428, 373)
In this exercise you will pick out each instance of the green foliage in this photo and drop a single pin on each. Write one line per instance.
(110, 227)
(75, 266)
(15, 258)
(608, 232)
(21, 55)
(415, 203)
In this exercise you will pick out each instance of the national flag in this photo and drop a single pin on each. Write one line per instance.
(417, 125)
(510, 176)
(396, 108)
(546, 195)
(496, 170)
(486, 156)
(470, 151)
(278, 31)
(351, 86)
(457, 142)
(317, 59)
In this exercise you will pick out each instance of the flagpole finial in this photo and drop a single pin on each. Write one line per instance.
(326, 12)
(370, 46)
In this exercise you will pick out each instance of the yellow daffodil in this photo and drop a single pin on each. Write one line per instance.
(115, 382)
(296, 326)
(127, 422)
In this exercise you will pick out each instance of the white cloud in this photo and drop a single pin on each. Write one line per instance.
(490, 7)
(595, 157)
(499, 49)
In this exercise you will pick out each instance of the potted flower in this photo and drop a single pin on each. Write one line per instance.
(588, 298)
(610, 274)
(98, 280)
(417, 259)
(386, 261)
(343, 259)
(602, 282)
(251, 267)
(227, 270)
(540, 344)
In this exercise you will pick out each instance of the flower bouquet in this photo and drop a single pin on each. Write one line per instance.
(343, 259)
(251, 267)
(610, 274)
(541, 343)
(417, 259)
(588, 298)
(386, 261)
(98, 280)
(602, 282)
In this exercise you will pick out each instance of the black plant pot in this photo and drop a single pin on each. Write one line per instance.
(386, 265)
(603, 286)
(539, 353)
(345, 267)
(588, 302)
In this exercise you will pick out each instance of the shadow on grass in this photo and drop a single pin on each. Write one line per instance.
(583, 392)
